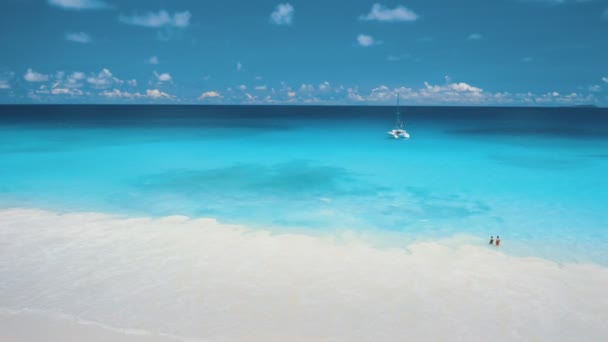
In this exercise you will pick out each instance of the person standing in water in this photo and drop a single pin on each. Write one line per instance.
(491, 240)
(497, 240)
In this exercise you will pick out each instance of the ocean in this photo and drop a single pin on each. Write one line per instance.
(220, 222)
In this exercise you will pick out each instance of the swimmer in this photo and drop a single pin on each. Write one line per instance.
(491, 240)
(497, 240)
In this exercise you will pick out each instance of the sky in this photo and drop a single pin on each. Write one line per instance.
(359, 52)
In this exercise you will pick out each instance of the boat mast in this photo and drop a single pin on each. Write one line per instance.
(398, 124)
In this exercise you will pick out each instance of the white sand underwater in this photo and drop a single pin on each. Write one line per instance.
(92, 277)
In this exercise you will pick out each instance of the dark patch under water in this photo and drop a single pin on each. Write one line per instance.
(260, 191)
(296, 178)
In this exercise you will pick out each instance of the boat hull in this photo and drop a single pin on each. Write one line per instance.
(399, 133)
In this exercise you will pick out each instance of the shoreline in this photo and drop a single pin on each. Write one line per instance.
(206, 280)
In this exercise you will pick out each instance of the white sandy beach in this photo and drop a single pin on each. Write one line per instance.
(94, 277)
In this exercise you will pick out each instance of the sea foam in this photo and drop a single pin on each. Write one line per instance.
(145, 279)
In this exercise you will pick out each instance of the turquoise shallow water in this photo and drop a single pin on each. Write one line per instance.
(534, 176)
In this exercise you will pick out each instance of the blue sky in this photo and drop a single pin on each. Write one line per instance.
(467, 52)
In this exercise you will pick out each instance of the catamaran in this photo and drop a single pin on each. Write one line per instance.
(399, 131)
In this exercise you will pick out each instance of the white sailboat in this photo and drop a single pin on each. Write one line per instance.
(399, 131)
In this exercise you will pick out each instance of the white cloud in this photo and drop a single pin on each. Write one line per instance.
(239, 66)
(366, 40)
(74, 80)
(160, 19)
(63, 85)
(453, 90)
(285, 87)
(68, 84)
(269, 99)
(80, 4)
(66, 91)
(307, 88)
(310, 100)
(153, 60)
(353, 95)
(78, 75)
(282, 15)
(181, 19)
(445, 93)
(157, 94)
(325, 86)
(150, 93)
(113, 93)
(78, 37)
(464, 87)
(164, 77)
(475, 36)
(448, 93)
(5, 78)
(43, 89)
(556, 99)
(380, 93)
(432, 88)
(384, 14)
(210, 94)
(605, 79)
(104, 79)
(32, 76)
(251, 98)
(117, 93)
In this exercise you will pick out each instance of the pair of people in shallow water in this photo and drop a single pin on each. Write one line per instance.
(497, 240)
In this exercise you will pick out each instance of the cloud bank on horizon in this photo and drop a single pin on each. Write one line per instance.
(80, 4)
(101, 51)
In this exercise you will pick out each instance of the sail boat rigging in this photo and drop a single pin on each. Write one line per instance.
(398, 131)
